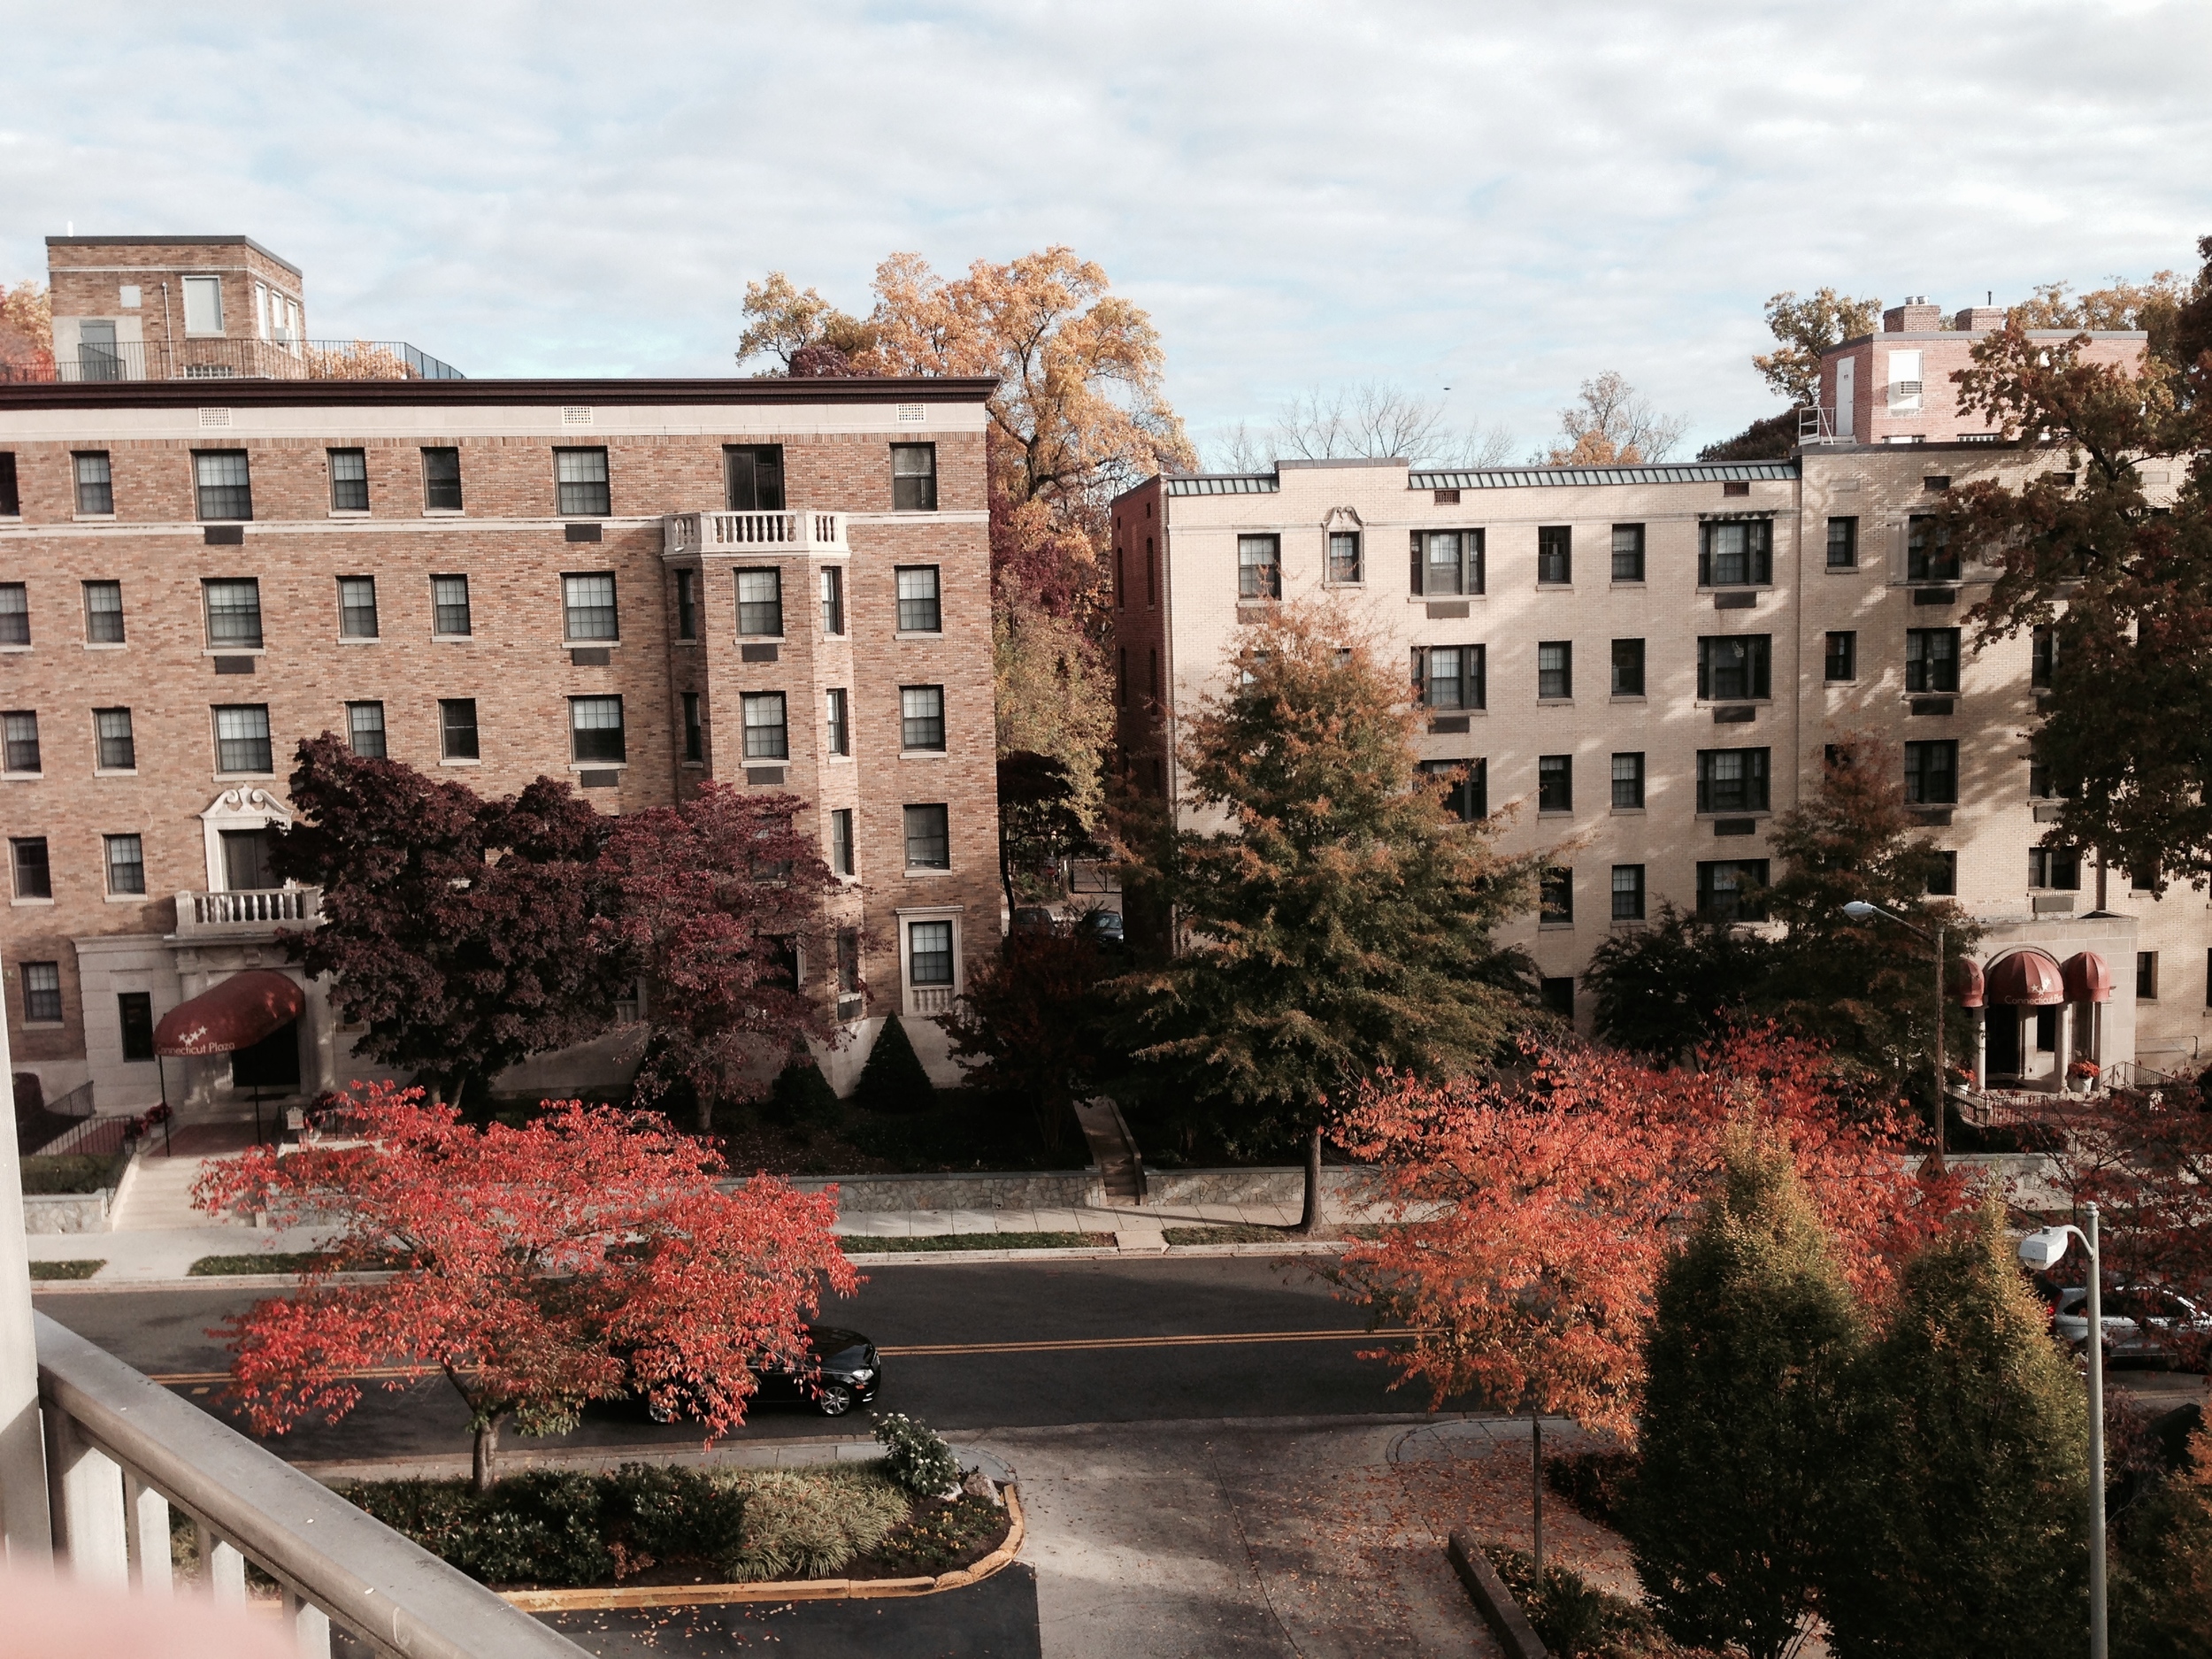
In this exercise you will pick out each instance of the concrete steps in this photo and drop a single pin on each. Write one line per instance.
(157, 1192)
(1113, 1150)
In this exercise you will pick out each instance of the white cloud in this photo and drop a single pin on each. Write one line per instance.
(1500, 200)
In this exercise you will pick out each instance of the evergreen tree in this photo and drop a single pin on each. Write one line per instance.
(1962, 1531)
(2161, 1592)
(894, 1079)
(1754, 1337)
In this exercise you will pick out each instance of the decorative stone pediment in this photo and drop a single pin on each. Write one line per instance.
(1343, 518)
(244, 806)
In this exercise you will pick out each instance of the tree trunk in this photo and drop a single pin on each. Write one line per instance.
(1536, 1489)
(1310, 1221)
(484, 1466)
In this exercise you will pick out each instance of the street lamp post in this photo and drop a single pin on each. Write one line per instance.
(1858, 911)
(2041, 1250)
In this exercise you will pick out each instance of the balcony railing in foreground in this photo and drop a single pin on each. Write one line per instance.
(122, 1449)
(247, 911)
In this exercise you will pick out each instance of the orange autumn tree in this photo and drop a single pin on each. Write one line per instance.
(1534, 1211)
(588, 1253)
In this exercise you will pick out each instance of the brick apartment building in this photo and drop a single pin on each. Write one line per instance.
(1642, 665)
(219, 536)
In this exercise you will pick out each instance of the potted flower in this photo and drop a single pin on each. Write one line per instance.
(2084, 1074)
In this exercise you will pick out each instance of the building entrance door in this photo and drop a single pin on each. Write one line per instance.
(2004, 1043)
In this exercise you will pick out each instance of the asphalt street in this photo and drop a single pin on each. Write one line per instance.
(997, 1345)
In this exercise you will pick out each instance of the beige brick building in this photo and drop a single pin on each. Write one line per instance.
(632, 584)
(1640, 666)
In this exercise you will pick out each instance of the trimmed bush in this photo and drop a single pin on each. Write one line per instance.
(893, 1080)
(915, 1456)
(801, 1096)
(1572, 1616)
(1595, 1482)
(538, 1528)
(71, 1172)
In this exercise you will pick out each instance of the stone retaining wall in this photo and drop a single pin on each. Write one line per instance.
(1070, 1189)
(66, 1212)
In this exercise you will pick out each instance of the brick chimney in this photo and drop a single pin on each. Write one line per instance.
(1916, 316)
(1979, 319)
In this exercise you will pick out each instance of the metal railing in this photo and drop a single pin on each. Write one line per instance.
(91, 1137)
(121, 1450)
(256, 907)
(212, 359)
(797, 531)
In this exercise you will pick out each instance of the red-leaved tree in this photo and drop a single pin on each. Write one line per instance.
(722, 898)
(587, 1254)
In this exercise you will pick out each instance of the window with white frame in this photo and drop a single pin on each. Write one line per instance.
(767, 733)
(929, 954)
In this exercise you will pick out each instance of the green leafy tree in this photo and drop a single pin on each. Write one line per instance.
(1030, 1023)
(1338, 921)
(1803, 328)
(1962, 1527)
(1679, 983)
(1755, 1336)
(2162, 1593)
(2118, 570)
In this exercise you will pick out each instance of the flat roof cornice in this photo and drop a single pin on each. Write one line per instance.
(248, 394)
(173, 242)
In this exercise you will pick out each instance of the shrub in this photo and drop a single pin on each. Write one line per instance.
(894, 1079)
(71, 1172)
(801, 1096)
(2161, 1594)
(1595, 1482)
(801, 1525)
(915, 1456)
(675, 1514)
(1572, 1616)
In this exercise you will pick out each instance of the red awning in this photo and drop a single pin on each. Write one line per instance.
(2026, 979)
(2087, 978)
(1966, 982)
(236, 1014)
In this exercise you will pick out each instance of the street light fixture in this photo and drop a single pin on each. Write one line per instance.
(1859, 910)
(2043, 1249)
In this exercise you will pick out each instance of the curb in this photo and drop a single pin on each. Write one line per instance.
(1493, 1600)
(206, 1281)
(787, 1590)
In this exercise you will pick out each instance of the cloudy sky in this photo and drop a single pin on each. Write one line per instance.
(1502, 200)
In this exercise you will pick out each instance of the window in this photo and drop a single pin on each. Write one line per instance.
(134, 1019)
(34, 875)
(1345, 565)
(1932, 659)
(1843, 544)
(102, 613)
(241, 737)
(1448, 562)
(127, 864)
(2055, 867)
(441, 480)
(42, 993)
(1628, 552)
(1730, 889)
(1842, 659)
(2041, 787)
(579, 480)
(1943, 876)
(1734, 667)
(687, 605)
(1628, 779)
(225, 488)
(928, 839)
(1259, 567)
(234, 613)
(449, 617)
(2146, 976)
(595, 729)
(1931, 772)
(458, 737)
(365, 730)
(919, 612)
(1151, 575)
(760, 603)
(841, 731)
(1555, 553)
(848, 956)
(348, 480)
(767, 733)
(1466, 785)
(114, 748)
(922, 717)
(246, 861)
(588, 601)
(914, 477)
(2044, 658)
(833, 600)
(357, 606)
(694, 735)
(1556, 897)
(1555, 783)
(929, 953)
(1628, 892)
(1628, 668)
(203, 304)
(1731, 780)
(95, 484)
(1449, 676)
(1929, 555)
(841, 858)
(10, 502)
(15, 614)
(18, 745)
(753, 477)
(1554, 668)
(1557, 995)
(1735, 553)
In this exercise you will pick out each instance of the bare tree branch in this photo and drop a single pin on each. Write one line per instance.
(1371, 419)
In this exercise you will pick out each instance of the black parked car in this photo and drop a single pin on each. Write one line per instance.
(846, 1373)
(1102, 928)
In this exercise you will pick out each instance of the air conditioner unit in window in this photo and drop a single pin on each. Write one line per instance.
(1901, 390)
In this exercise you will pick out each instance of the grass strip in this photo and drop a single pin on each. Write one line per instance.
(260, 1261)
(1231, 1233)
(856, 1244)
(66, 1270)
